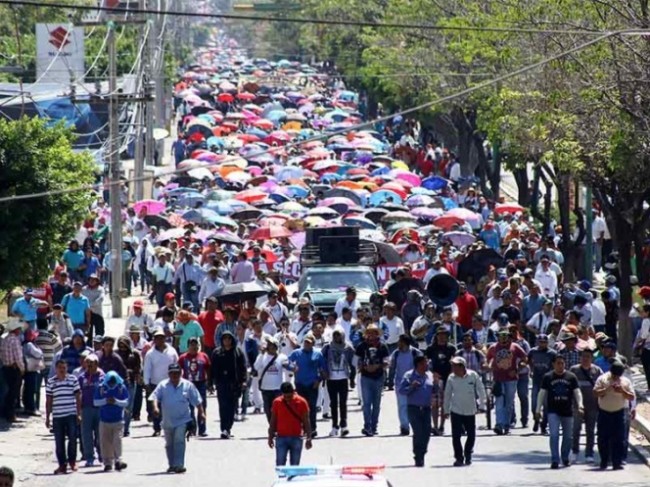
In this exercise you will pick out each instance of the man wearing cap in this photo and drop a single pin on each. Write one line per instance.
(538, 323)
(373, 357)
(26, 308)
(138, 318)
(172, 399)
(417, 385)
(560, 393)
(94, 292)
(463, 391)
(156, 364)
(309, 367)
(196, 368)
(505, 359)
(570, 351)
(13, 367)
(614, 391)
(77, 307)
(540, 359)
(190, 275)
(348, 301)
(587, 374)
(162, 275)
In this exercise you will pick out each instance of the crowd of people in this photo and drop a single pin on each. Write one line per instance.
(518, 327)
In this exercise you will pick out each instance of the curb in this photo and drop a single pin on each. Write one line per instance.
(640, 451)
(642, 425)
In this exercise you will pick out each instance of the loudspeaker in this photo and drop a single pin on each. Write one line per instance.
(339, 250)
(313, 235)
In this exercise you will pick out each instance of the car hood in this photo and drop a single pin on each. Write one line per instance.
(325, 299)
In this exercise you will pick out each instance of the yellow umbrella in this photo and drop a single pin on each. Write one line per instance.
(314, 221)
(292, 126)
(399, 165)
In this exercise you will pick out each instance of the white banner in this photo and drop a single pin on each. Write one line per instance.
(59, 53)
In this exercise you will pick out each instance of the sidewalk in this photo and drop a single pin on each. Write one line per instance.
(640, 434)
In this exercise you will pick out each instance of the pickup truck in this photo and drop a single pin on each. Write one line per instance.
(324, 285)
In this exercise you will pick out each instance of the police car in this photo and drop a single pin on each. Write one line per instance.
(332, 476)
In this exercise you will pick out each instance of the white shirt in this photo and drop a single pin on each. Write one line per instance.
(156, 364)
(144, 322)
(431, 273)
(600, 226)
(163, 273)
(346, 325)
(210, 287)
(597, 312)
(454, 172)
(395, 328)
(539, 321)
(490, 306)
(300, 329)
(277, 311)
(344, 303)
(273, 376)
(285, 344)
(548, 280)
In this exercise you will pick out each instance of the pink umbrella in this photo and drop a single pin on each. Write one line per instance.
(474, 219)
(409, 177)
(149, 207)
(508, 208)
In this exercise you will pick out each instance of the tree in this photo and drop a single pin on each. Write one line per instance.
(35, 158)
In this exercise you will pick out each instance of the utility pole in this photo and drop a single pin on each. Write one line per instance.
(115, 173)
(148, 88)
(138, 163)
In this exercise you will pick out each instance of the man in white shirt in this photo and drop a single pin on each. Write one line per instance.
(212, 285)
(346, 321)
(275, 308)
(302, 325)
(392, 327)
(539, 321)
(163, 277)
(547, 278)
(269, 368)
(600, 235)
(435, 269)
(156, 363)
(349, 301)
(492, 304)
(139, 318)
(243, 270)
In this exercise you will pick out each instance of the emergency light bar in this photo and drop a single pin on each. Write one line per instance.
(298, 471)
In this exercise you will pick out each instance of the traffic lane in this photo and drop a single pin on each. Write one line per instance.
(520, 459)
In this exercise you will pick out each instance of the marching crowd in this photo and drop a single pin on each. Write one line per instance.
(518, 328)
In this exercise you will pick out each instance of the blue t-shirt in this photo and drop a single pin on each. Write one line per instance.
(25, 309)
(491, 238)
(310, 364)
(76, 308)
(175, 402)
(72, 259)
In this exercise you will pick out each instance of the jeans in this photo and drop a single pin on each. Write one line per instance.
(522, 394)
(533, 403)
(459, 424)
(90, 432)
(402, 410)
(191, 297)
(309, 394)
(291, 445)
(128, 411)
(390, 381)
(589, 417)
(137, 402)
(12, 382)
(161, 289)
(555, 421)
(97, 325)
(611, 441)
(31, 380)
(65, 427)
(145, 278)
(175, 445)
(227, 405)
(267, 398)
(202, 387)
(420, 420)
(371, 390)
(505, 403)
(338, 391)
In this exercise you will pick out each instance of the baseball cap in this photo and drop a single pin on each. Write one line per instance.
(169, 296)
(174, 368)
(568, 336)
(135, 329)
(458, 361)
(542, 337)
(158, 332)
(77, 284)
(138, 303)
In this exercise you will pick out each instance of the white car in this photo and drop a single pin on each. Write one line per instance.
(332, 476)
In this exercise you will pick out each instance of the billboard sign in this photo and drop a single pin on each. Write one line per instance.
(59, 53)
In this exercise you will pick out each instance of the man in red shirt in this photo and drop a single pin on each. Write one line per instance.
(467, 307)
(195, 366)
(43, 293)
(289, 424)
(209, 320)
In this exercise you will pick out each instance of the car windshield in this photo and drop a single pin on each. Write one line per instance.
(332, 281)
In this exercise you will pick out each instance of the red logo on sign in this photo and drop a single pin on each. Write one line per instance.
(59, 38)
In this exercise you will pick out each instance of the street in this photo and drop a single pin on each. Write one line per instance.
(521, 459)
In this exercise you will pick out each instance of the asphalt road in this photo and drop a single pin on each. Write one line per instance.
(521, 459)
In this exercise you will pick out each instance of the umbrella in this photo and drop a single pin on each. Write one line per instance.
(246, 96)
(297, 191)
(200, 173)
(385, 195)
(243, 291)
(474, 219)
(435, 183)
(248, 214)
(324, 212)
(149, 207)
(419, 200)
(200, 216)
(427, 213)
(359, 221)
(270, 233)
(477, 263)
(512, 208)
(157, 221)
(227, 237)
(225, 98)
(345, 193)
(375, 214)
(398, 216)
(250, 195)
(190, 200)
(459, 239)
(446, 222)
(289, 172)
(171, 234)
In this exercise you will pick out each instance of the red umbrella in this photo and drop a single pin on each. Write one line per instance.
(225, 98)
(250, 195)
(263, 124)
(395, 187)
(270, 233)
(246, 96)
(248, 137)
(447, 222)
(508, 208)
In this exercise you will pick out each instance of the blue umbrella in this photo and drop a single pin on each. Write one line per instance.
(290, 172)
(181, 190)
(435, 183)
(419, 190)
(279, 198)
(200, 215)
(383, 196)
(190, 200)
(297, 191)
(359, 221)
(380, 171)
(215, 141)
(449, 203)
(331, 177)
(256, 132)
(221, 207)
(276, 115)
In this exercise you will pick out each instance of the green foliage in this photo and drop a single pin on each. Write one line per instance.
(33, 233)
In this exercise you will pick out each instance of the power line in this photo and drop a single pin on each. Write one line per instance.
(304, 20)
(459, 94)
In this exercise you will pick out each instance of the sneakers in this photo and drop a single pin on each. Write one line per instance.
(366, 432)
(180, 470)
(468, 460)
(498, 430)
(555, 466)
(171, 470)
(225, 435)
(566, 463)
(334, 432)
(590, 459)
(327, 416)
(404, 432)
(459, 463)
(119, 466)
(345, 431)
